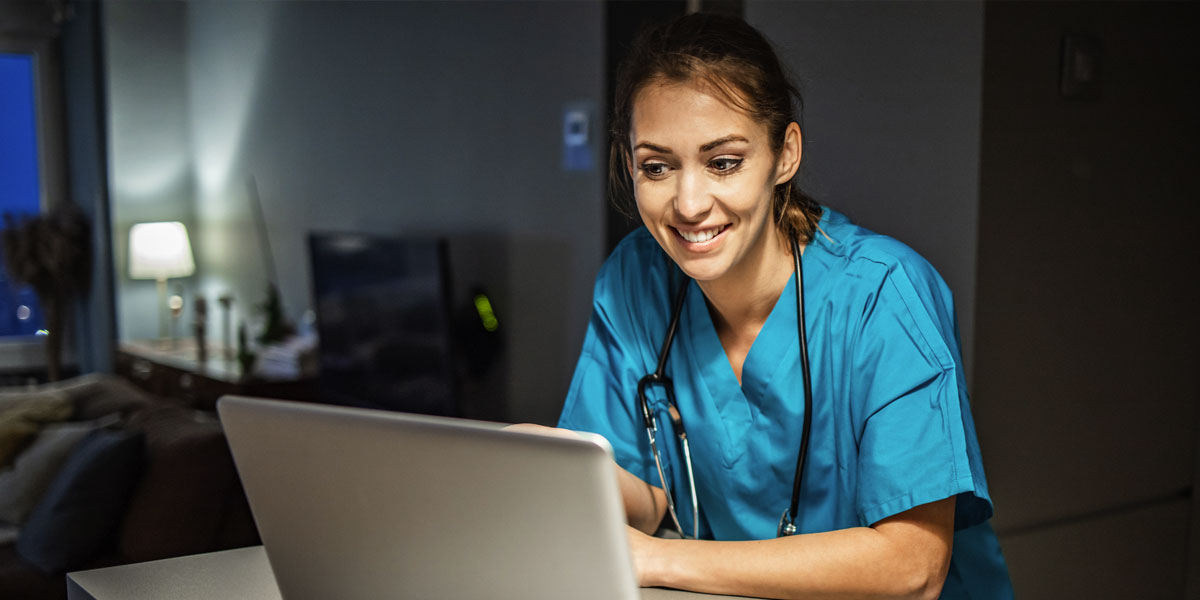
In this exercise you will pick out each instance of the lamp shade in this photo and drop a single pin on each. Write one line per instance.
(160, 251)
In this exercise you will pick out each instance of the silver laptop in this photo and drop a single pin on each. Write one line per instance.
(355, 503)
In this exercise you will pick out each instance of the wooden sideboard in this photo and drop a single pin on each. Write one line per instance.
(172, 369)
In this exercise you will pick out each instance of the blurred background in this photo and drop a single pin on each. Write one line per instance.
(446, 163)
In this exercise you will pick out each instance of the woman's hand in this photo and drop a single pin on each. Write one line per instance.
(542, 430)
(641, 548)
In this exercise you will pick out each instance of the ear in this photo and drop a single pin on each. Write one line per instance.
(789, 154)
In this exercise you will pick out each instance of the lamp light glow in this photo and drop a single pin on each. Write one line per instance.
(160, 251)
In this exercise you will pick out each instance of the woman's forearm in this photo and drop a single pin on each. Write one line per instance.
(644, 503)
(906, 556)
(851, 563)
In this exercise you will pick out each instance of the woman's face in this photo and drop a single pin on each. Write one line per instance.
(703, 175)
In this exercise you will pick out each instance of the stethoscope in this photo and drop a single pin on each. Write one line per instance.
(787, 522)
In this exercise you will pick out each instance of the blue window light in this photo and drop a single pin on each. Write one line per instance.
(20, 185)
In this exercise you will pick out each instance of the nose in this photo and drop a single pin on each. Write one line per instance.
(693, 199)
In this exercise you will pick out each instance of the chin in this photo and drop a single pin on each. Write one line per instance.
(703, 269)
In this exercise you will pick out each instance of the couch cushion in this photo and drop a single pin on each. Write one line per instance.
(12, 397)
(85, 502)
(22, 484)
(97, 395)
(22, 415)
(178, 506)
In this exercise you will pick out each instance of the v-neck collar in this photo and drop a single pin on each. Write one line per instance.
(774, 353)
(769, 349)
(774, 345)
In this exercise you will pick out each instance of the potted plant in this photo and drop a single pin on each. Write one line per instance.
(51, 253)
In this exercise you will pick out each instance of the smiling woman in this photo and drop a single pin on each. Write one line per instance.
(709, 203)
(890, 499)
(740, 70)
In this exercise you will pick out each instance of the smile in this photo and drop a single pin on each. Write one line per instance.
(701, 236)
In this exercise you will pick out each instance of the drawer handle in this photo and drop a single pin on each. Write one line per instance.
(142, 369)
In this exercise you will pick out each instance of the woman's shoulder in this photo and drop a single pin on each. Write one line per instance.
(856, 250)
(887, 277)
(637, 266)
(637, 245)
(636, 282)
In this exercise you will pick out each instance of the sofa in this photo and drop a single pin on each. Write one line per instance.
(95, 472)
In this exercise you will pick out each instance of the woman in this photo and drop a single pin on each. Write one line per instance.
(893, 501)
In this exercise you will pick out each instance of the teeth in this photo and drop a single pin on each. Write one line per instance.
(700, 236)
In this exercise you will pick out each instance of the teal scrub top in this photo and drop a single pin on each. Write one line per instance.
(891, 424)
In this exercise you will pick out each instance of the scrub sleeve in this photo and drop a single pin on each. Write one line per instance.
(913, 447)
(612, 362)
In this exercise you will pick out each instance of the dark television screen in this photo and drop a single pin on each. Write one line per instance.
(382, 316)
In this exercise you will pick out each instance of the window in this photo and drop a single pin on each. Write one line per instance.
(20, 185)
(32, 166)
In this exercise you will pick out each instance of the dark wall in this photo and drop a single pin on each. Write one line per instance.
(1085, 387)
(149, 158)
(397, 118)
(891, 121)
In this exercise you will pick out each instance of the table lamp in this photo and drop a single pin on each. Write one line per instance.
(160, 251)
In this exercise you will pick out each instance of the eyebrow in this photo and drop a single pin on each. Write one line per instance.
(704, 148)
(654, 147)
(722, 141)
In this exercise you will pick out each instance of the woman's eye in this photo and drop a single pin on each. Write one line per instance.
(654, 169)
(725, 165)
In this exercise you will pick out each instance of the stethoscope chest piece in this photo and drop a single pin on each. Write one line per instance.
(786, 526)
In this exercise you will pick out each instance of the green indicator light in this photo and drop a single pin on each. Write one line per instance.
(484, 307)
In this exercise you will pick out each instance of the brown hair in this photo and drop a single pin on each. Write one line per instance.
(736, 61)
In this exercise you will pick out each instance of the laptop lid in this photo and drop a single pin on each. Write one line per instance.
(358, 503)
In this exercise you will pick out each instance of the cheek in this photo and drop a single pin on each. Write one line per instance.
(766, 194)
(650, 201)
(751, 199)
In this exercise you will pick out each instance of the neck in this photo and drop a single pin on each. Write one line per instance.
(742, 300)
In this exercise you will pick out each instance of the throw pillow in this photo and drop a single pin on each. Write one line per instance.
(23, 484)
(97, 395)
(19, 421)
(83, 505)
(20, 396)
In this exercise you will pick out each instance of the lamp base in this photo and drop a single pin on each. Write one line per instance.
(162, 307)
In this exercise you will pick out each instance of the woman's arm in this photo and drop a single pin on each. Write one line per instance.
(645, 504)
(903, 556)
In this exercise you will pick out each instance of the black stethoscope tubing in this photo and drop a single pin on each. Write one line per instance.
(787, 522)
